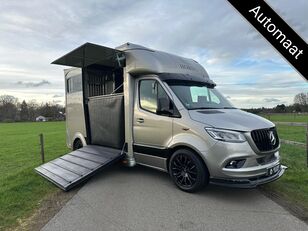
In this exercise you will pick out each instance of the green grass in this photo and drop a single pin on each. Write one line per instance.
(21, 189)
(293, 186)
(286, 132)
(287, 117)
(293, 133)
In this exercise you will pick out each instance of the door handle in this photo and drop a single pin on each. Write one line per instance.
(140, 120)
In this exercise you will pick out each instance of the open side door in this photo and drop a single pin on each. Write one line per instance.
(75, 167)
(89, 54)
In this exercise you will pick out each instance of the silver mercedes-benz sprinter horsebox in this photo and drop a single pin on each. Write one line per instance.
(159, 110)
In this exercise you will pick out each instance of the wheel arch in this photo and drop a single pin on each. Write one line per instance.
(79, 136)
(174, 148)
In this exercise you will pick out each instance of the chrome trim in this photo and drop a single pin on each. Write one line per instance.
(255, 148)
(149, 146)
(248, 183)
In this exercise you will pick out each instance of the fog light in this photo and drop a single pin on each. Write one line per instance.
(236, 163)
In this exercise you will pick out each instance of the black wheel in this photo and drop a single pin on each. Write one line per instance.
(188, 171)
(77, 144)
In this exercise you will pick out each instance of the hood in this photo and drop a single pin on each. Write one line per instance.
(232, 119)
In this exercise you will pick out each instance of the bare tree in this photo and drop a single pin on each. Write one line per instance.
(301, 99)
(33, 110)
(11, 110)
(8, 108)
(24, 111)
(8, 99)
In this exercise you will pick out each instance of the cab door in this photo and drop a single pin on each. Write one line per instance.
(152, 120)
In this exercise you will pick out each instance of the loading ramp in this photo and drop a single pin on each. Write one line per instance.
(75, 167)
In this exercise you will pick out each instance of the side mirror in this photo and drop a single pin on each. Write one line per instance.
(164, 107)
(164, 112)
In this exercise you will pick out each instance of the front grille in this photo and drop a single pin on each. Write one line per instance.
(264, 140)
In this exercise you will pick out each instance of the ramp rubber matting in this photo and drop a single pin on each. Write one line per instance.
(71, 169)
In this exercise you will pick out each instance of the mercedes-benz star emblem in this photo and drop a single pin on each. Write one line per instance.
(272, 137)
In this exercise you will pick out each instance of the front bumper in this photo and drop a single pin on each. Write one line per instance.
(249, 182)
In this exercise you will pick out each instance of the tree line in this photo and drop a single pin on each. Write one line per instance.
(300, 104)
(11, 110)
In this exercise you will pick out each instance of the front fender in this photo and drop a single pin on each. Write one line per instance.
(192, 141)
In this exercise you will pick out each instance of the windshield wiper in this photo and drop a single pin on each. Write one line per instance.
(229, 107)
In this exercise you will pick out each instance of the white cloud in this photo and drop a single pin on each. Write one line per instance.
(245, 66)
(32, 84)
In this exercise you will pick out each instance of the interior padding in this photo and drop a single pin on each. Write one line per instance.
(106, 115)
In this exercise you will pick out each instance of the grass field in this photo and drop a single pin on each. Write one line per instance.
(287, 117)
(21, 188)
(293, 186)
(286, 132)
(293, 133)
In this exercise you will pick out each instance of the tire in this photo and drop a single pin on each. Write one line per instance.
(187, 171)
(77, 144)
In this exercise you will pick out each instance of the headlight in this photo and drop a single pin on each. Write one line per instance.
(226, 135)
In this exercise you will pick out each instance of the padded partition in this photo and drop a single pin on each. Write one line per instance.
(106, 115)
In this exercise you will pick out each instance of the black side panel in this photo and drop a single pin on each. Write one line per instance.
(164, 153)
(106, 115)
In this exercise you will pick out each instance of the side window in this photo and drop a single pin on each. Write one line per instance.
(148, 95)
(153, 98)
(74, 84)
(69, 85)
(77, 84)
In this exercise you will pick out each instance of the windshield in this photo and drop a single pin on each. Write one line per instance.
(199, 96)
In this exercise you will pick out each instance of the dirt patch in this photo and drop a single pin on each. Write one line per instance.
(295, 209)
(48, 208)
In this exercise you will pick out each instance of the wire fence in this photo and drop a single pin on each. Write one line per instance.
(296, 124)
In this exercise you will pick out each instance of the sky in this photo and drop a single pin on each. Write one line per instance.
(247, 70)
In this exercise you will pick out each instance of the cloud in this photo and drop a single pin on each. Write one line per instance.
(240, 61)
(57, 96)
(271, 100)
(32, 84)
(57, 101)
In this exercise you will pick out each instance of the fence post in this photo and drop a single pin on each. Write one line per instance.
(42, 147)
(307, 143)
